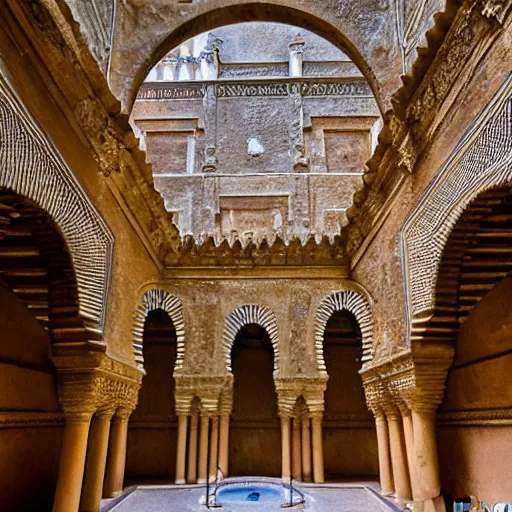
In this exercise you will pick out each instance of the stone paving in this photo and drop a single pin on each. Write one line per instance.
(319, 498)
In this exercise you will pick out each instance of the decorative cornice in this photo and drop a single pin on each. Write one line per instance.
(209, 252)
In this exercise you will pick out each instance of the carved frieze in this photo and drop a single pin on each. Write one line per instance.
(171, 91)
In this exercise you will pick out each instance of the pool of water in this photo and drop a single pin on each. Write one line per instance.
(249, 494)
(255, 492)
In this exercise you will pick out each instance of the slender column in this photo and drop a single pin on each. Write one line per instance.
(285, 448)
(398, 455)
(214, 448)
(224, 445)
(318, 448)
(306, 449)
(114, 478)
(428, 486)
(192, 449)
(386, 476)
(181, 452)
(96, 461)
(409, 445)
(296, 451)
(72, 463)
(203, 450)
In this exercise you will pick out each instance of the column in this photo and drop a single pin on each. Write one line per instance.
(296, 50)
(296, 451)
(428, 486)
(318, 448)
(203, 449)
(214, 447)
(114, 478)
(192, 449)
(306, 449)
(181, 452)
(96, 461)
(409, 444)
(385, 474)
(224, 445)
(72, 463)
(398, 455)
(285, 448)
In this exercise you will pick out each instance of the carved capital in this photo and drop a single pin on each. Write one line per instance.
(496, 9)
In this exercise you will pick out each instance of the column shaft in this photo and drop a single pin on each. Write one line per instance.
(192, 449)
(318, 450)
(214, 447)
(296, 451)
(385, 474)
(427, 467)
(96, 463)
(181, 452)
(203, 450)
(306, 450)
(72, 464)
(224, 445)
(114, 478)
(398, 457)
(409, 448)
(285, 449)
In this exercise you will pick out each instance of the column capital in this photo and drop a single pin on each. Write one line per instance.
(105, 414)
(122, 414)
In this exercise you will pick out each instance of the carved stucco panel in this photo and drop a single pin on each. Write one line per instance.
(31, 166)
(482, 160)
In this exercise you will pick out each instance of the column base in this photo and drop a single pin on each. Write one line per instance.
(386, 493)
(201, 480)
(114, 494)
(180, 482)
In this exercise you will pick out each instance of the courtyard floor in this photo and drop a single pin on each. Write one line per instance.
(332, 497)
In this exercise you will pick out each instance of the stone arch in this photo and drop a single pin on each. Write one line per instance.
(250, 314)
(156, 298)
(32, 167)
(127, 74)
(357, 304)
(482, 160)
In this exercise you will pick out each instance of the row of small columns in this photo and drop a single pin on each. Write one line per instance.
(193, 465)
(408, 461)
(302, 451)
(91, 437)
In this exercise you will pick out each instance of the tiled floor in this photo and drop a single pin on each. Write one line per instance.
(342, 497)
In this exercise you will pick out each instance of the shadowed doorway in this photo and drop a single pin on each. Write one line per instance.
(153, 426)
(255, 438)
(350, 443)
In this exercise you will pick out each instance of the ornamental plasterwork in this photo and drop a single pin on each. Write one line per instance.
(159, 299)
(357, 304)
(481, 160)
(31, 166)
(245, 315)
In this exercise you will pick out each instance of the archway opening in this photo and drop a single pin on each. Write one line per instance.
(38, 306)
(350, 443)
(255, 438)
(473, 291)
(152, 433)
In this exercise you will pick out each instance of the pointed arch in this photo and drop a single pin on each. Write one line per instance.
(357, 304)
(250, 314)
(156, 298)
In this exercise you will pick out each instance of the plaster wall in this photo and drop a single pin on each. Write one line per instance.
(29, 450)
(477, 458)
